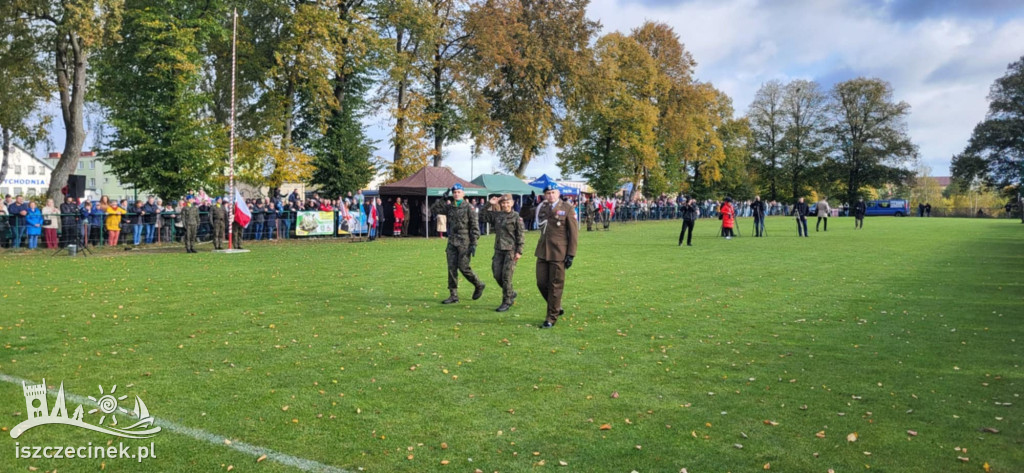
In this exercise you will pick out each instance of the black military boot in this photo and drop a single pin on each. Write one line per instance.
(503, 307)
(452, 298)
(479, 291)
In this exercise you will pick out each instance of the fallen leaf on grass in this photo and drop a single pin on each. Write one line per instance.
(963, 459)
(615, 394)
(445, 462)
(261, 458)
(912, 433)
(606, 427)
(986, 467)
(820, 434)
(563, 463)
(990, 430)
(771, 423)
(767, 466)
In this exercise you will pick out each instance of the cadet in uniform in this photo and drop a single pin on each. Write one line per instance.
(190, 218)
(463, 232)
(509, 239)
(237, 230)
(590, 211)
(556, 249)
(219, 216)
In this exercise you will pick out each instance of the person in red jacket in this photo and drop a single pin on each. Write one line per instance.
(399, 217)
(728, 218)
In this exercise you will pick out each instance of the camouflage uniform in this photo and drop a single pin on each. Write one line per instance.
(190, 218)
(219, 216)
(590, 211)
(509, 239)
(463, 232)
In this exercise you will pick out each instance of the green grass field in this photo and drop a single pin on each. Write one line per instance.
(738, 355)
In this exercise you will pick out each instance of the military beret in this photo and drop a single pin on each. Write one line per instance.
(551, 187)
(457, 187)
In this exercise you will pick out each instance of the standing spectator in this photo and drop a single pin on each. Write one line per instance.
(205, 229)
(271, 218)
(135, 222)
(690, 212)
(258, 219)
(556, 249)
(757, 208)
(859, 209)
(34, 224)
(928, 210)
(69, 220)
(168, 216)
(606, 214)
(823, 212)
(442, 225)
(51, 221)
(728, 216)
(5, 223)
(113, 223)
(285, 220)
(294, 198)
(399, 217)
(920, 209)
(405, 220)
(17, 210)
(149, 214)
(800, 210)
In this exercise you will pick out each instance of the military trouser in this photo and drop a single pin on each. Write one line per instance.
(458, 260)
(606, 218)
(503, 266)
(190, 237)
(236, 235)
(551, 281)
(218, 235)
(590, 222)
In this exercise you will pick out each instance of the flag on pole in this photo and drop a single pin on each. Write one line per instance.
(242, 213)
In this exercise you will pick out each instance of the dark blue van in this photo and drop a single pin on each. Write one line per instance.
(897, 207)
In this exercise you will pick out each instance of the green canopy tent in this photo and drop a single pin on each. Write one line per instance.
(503, 184)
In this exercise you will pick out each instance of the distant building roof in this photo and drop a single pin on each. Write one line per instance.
(942, 181)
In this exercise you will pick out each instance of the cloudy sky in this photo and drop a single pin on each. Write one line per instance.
(941, 56)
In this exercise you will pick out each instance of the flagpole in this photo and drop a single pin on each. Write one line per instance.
(231, 146)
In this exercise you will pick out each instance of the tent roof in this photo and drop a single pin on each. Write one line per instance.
(503, 184)
(544, 180)
(430, 181)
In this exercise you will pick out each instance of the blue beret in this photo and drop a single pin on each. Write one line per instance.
(551, 187)
(457, 187)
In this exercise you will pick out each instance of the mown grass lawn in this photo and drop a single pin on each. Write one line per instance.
(738, 355)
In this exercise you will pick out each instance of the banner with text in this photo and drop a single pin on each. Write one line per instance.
(310, 223)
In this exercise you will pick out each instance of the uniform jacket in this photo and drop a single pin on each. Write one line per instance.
(509, 230)
(558, 231)
(190, 216)
(463, 224)
(218, 214)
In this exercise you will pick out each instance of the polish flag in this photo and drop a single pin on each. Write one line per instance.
(242, 213)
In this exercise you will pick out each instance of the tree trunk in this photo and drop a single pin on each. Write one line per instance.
(7, 154)
(400, 123)
(438, 95)
(72, 104)
(523, 162)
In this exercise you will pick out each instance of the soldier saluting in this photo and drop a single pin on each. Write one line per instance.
(556, 249)
(509, 240)
(463, 232)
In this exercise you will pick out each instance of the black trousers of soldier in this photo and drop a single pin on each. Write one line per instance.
(686, 224)
(458, 261)
(503, 267)
(551, 281)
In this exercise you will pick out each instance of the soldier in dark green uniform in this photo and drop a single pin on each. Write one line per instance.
(509, 239)
(589, 212)
(219, 216)
(463, 232)
(190, 218)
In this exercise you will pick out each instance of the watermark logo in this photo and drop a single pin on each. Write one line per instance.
(108, 407)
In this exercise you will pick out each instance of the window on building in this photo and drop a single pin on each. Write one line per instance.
(31, 191)
(92, 182)
(4, 191)
(17, 169)
(42, 170)
(31, 170)
(81, 165)
(92, 164)
(18, 191)
(106, 180)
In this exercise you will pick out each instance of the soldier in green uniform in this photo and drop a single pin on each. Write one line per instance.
(589, 212)
(190, 218)
(556, 249)
(463, 232)
(219, 216)
(509, 239)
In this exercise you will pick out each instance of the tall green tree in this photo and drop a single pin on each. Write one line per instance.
(804, 142)
(164, 138)
(74, 31)
(737, 180)
(995, 151)
(768, 128)
(23, 85)
(611, 136)
(869, 133)
(527, 60)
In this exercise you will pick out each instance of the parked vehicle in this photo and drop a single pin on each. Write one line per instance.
(897, 207)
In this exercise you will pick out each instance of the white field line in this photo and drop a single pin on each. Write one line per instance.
(198, 434)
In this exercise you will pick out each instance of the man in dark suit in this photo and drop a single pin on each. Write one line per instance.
(556, 249)
(800, 210)
(758, 209)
